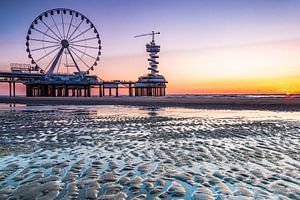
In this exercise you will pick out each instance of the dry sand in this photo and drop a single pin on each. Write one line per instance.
(263, 103)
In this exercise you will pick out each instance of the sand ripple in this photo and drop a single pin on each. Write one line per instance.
(90, 153)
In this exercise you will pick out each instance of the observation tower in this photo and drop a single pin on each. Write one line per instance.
(151, 84)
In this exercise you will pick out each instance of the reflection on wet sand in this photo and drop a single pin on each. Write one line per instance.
(118, 152)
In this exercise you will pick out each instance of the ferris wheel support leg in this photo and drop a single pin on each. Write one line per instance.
(73, 59)
(50, 71)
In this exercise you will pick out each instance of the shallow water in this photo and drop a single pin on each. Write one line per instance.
(119, 152)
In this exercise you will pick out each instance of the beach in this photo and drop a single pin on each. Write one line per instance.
(222, 102)
(149, 100)
(140, 152)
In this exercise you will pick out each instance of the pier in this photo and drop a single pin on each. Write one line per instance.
(36, 86)
(62, 62)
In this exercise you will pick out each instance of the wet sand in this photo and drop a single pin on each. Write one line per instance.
(262, 103)
(122, 152)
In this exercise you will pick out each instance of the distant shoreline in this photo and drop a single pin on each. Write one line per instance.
(262, 103)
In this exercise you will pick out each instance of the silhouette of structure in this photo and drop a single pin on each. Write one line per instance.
(151, 84)
(64, 46)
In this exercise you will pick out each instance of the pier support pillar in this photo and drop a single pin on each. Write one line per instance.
(39, 91)
(100, 91)
(109, 91)
(42, 90)
(117, 91)
(14, 89)
(130, 89)
(84, 91)
(89, 91)
(66, 91)
(27, 90)
(136, 92)
(9, 89)
(52, 90)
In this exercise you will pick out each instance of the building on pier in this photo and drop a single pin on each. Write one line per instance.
(62, 85)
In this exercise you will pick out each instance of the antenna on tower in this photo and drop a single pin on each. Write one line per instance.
(152, 34)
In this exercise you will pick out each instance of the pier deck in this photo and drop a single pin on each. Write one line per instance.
(38, 85)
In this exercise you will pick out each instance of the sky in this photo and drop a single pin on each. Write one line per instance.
(207, 46)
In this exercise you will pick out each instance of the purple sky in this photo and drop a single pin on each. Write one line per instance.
(190, 30)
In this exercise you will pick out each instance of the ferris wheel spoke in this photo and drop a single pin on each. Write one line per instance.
(56, 27)
(71, 39)
(73, 59)
(47, 54)
(82, 52)
(84, 46)
(50, 29)
(38, 40)
(75, 30)
(54, 63)
(83, 40)
(42, 48)
(62, 20)
(46, 34)
(70, 26)
(80, 59)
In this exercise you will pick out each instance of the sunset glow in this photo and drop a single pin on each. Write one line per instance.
(206, 46)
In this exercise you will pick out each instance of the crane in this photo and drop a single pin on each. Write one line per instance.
(152, 34)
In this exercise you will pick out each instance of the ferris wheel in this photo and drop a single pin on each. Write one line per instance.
(63, 41)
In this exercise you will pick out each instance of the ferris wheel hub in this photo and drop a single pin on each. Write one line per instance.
(65, 43)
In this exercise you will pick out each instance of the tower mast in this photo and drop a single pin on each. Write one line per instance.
(153, 49)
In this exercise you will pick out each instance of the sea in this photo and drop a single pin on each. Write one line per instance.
(234, 95)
